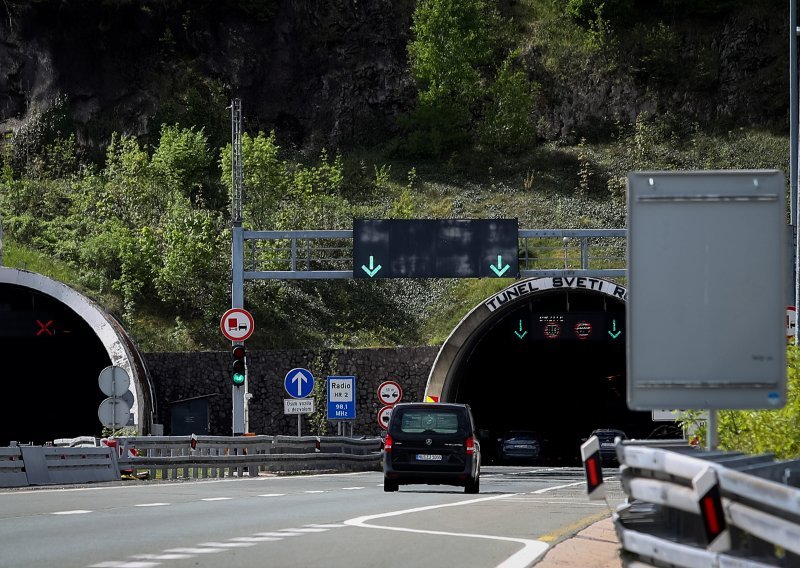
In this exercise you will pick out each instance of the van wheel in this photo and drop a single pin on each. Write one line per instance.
(473, 486)
(389, 485)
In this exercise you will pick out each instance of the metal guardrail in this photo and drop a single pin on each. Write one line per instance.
(294, 255)
(664, 523)
(183, 457)
(199, 457)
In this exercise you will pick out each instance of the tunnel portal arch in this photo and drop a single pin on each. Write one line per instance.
(92, 340)
(544, 354)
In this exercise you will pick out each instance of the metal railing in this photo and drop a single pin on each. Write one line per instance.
(663, 523)
(295, 255)
(197, 457)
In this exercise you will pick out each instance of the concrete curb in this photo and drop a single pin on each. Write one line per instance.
(596, 546)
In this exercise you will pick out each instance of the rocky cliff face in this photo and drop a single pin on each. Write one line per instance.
(334, 73)
(328, 71)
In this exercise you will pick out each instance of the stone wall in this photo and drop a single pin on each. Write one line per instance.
(181, 376)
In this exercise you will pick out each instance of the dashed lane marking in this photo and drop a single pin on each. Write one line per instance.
(125, 565)
(272, 495)
(216, 498)
(174, 556)
(75, 512)
(227, 544)
(192, 550)
(152, 504)
(305, 530)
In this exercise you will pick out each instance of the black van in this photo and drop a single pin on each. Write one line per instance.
(431, 443)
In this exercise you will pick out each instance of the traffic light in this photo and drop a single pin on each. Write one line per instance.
(238, 365)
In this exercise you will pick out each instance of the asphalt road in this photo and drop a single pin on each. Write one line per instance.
(333, 520)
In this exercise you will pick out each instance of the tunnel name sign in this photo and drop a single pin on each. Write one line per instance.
(538, 284)
(700, 244)
(435, 248)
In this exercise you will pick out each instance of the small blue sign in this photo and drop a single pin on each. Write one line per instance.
(299, 383)
(341, 398)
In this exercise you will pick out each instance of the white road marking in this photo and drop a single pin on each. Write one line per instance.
(115, 564)
(351, 488)
(253, 538)
(272, 495)
(152, 504)
(216, 499)
(305, 530)
(75, 512)
(330, 526)
(214, 545)
(547, 489)
(277, 534)
(187, 550)
(174, 556)
(531, 549)
(315, 491)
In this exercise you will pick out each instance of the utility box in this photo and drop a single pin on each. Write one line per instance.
(706, 292)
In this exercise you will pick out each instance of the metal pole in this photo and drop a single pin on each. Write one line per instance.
(794, 125)
(712, 430)
(238, 394)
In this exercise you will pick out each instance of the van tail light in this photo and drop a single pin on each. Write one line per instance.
(387, 444)
(470, 443)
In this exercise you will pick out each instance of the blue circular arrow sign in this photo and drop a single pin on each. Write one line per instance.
(299, 383)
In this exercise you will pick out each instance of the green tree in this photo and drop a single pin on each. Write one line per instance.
(454, 41)
(184, 160)
(508, 115)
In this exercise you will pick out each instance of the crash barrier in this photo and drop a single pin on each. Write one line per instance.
(197, 457)
(44, 465)
(181, 457)
(689, 507)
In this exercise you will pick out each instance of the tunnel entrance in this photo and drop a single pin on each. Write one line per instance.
(546, 355)
(54, 343)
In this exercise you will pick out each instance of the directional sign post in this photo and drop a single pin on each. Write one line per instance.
(298, 383)
(435, 248)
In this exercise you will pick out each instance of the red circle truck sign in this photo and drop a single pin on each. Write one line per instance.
(237, 324)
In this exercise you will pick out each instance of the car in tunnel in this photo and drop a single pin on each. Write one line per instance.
(522, 446)
(431, 443)
(607, 438)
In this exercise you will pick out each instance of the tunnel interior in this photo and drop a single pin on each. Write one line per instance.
(554, 364)
(51, 363)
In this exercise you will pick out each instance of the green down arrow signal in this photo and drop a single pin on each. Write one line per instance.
(499, 269)
(615, 333)
(521, 334)
(372, 270)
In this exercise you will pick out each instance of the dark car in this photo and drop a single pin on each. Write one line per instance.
(431, 444)
(607, 437)
(520, 446)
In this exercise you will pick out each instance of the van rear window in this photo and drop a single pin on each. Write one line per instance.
(438, 422)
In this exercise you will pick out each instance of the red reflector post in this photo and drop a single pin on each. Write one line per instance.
(709, 503)
(590, 453)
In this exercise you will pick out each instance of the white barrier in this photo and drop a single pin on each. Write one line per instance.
(665, 522)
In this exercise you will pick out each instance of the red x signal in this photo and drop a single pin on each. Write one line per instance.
(44, 328)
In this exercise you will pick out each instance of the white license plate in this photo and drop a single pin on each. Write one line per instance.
(429, 457)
